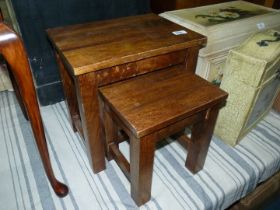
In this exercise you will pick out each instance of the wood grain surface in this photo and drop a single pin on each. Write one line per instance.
(154, 100)
(151, 107)
(99, 53)
(98, 45)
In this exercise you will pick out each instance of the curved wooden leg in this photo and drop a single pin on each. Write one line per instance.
(17, 93)
(12, 48)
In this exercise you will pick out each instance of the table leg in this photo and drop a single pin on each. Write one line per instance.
(191, 58)
(200, 140)
(87, 95)
(69, 92)
(111, 131)
(15, 55)
(141, 167)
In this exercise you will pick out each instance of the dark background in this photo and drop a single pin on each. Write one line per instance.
(35, 16)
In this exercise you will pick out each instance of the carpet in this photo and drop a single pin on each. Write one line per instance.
(229, 172)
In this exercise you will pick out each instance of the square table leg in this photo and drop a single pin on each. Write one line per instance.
(86, 90)
(141, 167)
(69, 92)
(200, 140)
(83, 106)
(111, 131)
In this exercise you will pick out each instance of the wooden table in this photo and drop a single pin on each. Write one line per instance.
(152, 107)
(94, 54)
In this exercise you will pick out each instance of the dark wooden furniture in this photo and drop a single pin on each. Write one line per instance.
(151, 107)
(96, 54)
(13, 51)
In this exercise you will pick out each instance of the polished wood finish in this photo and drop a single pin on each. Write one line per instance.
(12, 49)
(192, 56)
(69, 92)
(120, 72)
(141, 166)
(153, 106)
(200, 140)
(89, 112)
(17, 93)
(94, 46)
(142, 91)
(99, 53)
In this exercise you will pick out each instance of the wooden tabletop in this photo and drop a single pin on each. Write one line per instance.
(97, 45)
(154, 100)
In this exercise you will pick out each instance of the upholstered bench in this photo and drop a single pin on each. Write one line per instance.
(151, 107)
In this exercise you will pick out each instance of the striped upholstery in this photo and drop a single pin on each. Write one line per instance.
(229, 173)
(5, 82)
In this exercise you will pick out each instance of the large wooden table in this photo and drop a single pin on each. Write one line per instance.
(95, 54)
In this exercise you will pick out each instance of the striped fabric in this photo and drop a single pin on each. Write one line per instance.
(5, 82)
(229, 173)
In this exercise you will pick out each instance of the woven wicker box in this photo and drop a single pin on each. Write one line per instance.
(251, 78)
(226, 25)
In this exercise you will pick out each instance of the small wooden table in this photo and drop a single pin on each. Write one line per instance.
(95, 54)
